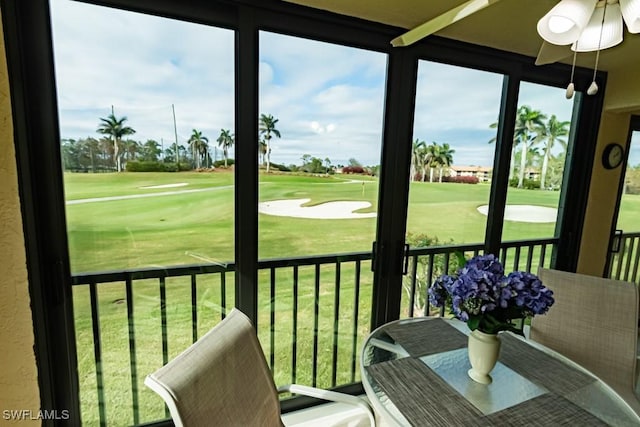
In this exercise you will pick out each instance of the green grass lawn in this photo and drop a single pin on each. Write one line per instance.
(133, 233)
(629, 213)
(195, 226)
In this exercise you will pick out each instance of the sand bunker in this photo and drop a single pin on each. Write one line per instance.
(329, 210)
(525, 213)
(179, 184)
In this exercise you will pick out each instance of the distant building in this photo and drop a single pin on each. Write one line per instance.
(482, 172)
(532, 174)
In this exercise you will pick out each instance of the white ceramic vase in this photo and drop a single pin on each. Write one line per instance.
(483, 355)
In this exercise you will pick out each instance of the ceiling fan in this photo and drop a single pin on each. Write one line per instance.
(570, 26)
(547, 54)
(573, 26)
(439, 22)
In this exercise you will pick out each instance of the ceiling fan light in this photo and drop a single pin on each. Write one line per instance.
(565, 21)
(612, 30)
(560, 24)
(631, 13)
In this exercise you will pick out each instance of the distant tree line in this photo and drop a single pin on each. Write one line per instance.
(114, 151)
(632, 180)
(533, 163)
(316, 165)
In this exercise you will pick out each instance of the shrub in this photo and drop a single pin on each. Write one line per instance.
(353, 169)
(461, 179)
(528, 184)
(280, 167)
(632, 181)
(427, 269)
(220, 163)
(138, 166)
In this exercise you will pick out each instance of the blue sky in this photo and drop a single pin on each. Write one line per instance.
(328, 99)
(634, 152)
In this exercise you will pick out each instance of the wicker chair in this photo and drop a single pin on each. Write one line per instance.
(594, 322)
(223, 380)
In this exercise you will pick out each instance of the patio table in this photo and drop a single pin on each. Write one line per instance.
(414, 372)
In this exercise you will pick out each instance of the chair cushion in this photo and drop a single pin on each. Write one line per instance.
(594, 322)
(222, 380)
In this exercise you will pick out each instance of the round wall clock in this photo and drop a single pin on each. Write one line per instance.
(612, 156)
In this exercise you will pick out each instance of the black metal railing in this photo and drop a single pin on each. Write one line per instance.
(426, 264)
(116, 331)
(624, 258)
(313, 314)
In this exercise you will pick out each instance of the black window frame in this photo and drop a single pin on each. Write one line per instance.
(634, 126)
(27, 32)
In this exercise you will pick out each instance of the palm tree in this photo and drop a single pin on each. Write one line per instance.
(168, 155)
(198, 144)
(445, 157)
(203, 152)
(131, 149)
(105, 148)
(553, 132)
(151, 151)
(268, 127)
(512, 162)
(529, 125)
(262, 152)
(225, 140)
(115, 129)
(92, 148)
(417, 152)
(430, 159)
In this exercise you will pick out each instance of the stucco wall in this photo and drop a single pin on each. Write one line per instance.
(623, 91)
(603, 194)
(18, 374)
(621, 100)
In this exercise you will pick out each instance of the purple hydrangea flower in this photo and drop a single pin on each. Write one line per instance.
(481, 295)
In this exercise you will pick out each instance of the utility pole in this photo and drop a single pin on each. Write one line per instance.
(175, 130)
(116, 154)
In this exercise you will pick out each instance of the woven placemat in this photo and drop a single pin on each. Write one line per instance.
(422, 396)
(541, 368)
(545, 410)
(427, 337)
(426, 400)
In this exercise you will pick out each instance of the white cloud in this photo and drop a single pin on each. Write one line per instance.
(315, 126)
(320, 129)
(329, 99)
(456, 105)
(265, 71)
(549, 100)
(140, 65)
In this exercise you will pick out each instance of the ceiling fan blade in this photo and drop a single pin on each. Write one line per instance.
(439, 22)
(550, 53)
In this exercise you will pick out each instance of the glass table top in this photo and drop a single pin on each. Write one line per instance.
(508, 390)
